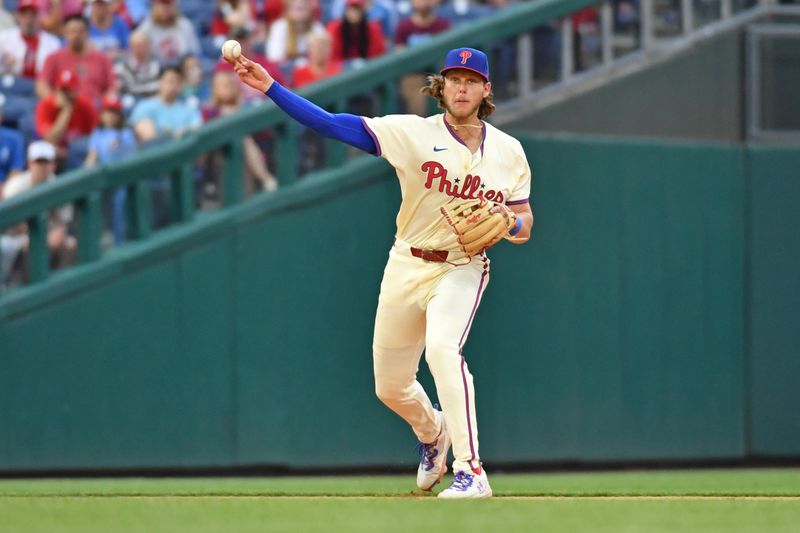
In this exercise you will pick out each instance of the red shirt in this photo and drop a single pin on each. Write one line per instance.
(220, 27)
(29, 60)
(82, 122)
(273, 10)
(375, 40)
(94, 72)
(305, 75)
(409, 33)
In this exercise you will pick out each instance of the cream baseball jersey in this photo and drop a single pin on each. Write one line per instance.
(435, 167)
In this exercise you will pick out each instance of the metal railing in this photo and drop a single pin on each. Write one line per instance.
(520, 25)
(772, 104)
(655, 34)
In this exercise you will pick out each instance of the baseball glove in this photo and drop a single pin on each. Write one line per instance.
(479, 224)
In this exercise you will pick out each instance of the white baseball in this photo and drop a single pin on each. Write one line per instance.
(231, 49)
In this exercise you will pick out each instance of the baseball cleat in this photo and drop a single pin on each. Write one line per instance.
(433, 463)
(468, 485)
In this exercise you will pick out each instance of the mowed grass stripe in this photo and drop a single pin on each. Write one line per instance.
(431, 496)
(742, 482)
(387, 515)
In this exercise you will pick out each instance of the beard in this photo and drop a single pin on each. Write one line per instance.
(462, 113)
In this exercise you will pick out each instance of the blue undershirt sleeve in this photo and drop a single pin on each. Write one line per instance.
(340, 126)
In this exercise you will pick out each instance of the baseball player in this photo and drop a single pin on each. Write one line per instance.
(465, 186)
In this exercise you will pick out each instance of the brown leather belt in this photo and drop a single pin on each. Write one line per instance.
(434, 256)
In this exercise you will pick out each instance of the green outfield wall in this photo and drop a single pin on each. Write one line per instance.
(650, 317)
(773, 300)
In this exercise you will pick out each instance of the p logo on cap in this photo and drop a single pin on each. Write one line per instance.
(469, 59)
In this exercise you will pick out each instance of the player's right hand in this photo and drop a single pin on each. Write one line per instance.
(251, 73)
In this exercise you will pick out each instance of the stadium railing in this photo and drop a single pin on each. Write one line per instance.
(83, 188)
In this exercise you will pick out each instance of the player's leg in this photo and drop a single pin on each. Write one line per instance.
(449, 316)
(397, 347)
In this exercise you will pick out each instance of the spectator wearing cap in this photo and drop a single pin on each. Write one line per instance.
(65, 114)
(137, 71)
(172, 35)
(94, 69)
(355, 37)
(110, 142)
(12, 150)
(288, 36)
(108, 32)
(62, 245)
(24, 48)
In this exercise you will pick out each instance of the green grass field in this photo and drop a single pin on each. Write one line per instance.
(691, 501)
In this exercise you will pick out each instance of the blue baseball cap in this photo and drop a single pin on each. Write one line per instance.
(467, 58)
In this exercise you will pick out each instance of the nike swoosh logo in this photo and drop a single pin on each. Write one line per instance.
(435, 149)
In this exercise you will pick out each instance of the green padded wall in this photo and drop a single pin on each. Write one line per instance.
(615, 334)
(774, 300)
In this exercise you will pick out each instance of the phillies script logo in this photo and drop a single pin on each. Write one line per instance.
(471, 187)
(465, 54)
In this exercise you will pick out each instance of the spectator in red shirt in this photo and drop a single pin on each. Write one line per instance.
(94, 69)
(232, 16)
(320, 63)
(354, 36)
(24, 49)
(65, 114)
(273, 10)
(421, 25)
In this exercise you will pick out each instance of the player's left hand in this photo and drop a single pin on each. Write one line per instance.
(479, 224)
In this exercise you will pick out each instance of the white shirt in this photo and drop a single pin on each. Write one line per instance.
(12, 44)
(170, 44)
(24, 182)
(277, 40)
(435, 167)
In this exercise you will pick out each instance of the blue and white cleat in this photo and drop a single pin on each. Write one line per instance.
(433, 463)
(468, 485)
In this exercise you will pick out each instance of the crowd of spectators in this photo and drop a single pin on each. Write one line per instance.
(86, 82)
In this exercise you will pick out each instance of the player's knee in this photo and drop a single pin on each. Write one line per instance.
(388, 392)
(441, 353)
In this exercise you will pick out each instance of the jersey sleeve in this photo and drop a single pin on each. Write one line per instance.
(521, 191)
(393, 136)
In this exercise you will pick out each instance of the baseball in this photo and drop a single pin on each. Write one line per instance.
(231, 49)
